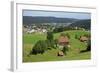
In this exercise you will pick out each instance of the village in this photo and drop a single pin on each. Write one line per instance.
(34, 29)
(44, 27)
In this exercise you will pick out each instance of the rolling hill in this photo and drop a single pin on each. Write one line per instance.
(82, 23)
(31, 20)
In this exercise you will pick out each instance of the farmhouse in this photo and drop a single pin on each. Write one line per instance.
(63, 40)
(83, 38)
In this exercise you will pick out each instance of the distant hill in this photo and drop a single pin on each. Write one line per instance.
(82, 23)
(31, 20)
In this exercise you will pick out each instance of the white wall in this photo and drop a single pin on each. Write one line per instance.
(5, 34)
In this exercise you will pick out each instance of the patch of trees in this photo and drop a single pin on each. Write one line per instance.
(86, 24)
(88, 48)
(66, 28)
(65, 48)
(63, 51)
(43, 45)
(88, 45)
(50, 36)
(61, 29)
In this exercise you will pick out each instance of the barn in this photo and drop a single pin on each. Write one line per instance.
(63, 40)
(83, 38)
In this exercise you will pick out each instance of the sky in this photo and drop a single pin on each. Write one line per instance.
(77, 15)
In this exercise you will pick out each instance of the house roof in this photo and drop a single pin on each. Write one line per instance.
(63, 39)
(83, 38)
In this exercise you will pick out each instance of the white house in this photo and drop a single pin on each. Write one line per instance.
(31, 31)
(38, 30)
(44, 30)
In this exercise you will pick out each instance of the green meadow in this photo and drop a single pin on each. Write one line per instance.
(29, 40)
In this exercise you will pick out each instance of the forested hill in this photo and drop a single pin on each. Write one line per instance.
(82, 23)
(31, 20)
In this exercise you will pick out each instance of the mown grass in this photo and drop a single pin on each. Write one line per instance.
(51, 55)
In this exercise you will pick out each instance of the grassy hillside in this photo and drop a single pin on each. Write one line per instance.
(51, 55)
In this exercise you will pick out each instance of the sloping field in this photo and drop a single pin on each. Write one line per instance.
(51, 55)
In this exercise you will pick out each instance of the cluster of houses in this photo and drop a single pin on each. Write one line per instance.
(34, 30)
(39, 30)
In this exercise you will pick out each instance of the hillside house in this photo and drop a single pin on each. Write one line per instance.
(63, 40)
(83, 38)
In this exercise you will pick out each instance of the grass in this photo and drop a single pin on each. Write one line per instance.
(33, 38)
(51, 55)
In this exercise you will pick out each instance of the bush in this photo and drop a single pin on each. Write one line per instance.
(50, 43)
(39, 47)
(76, 36)
(89, 45)
(61, 29)
(42, 45)
(55, 43)
(49, 35)
(56, 30)
(65, 49)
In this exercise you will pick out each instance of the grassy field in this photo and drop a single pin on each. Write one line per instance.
(51, 55)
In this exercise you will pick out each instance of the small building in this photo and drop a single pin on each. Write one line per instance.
(63, 40)
(83, 38)
(31, 31)
(44, 30)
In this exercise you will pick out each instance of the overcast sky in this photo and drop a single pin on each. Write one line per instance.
(77, 15)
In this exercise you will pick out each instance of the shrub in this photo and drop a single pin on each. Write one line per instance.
(49, 35)
(65, 48)
(89, 45)
(59, 29)
(39, 47)
(50, 43)
(42, 45)
(55, 43)
(76, 36)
